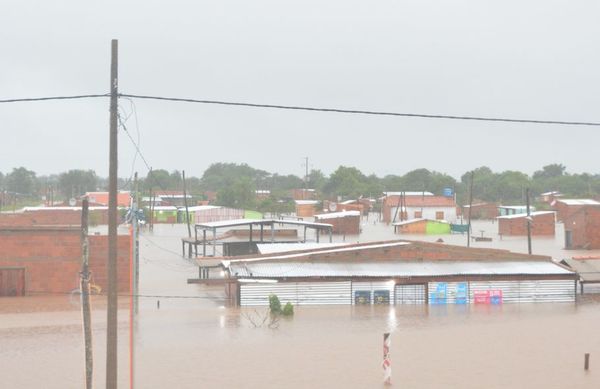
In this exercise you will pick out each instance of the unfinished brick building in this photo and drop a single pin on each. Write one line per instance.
(542, 224)
(582, 229)
(36, 258)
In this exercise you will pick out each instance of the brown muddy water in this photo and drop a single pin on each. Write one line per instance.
(200, 342)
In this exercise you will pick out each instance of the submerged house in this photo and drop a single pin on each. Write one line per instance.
(542, 224)
(344, 222)
(421, 206)
(397, 272)
(422, 226)
(565, 208)
(582, 228)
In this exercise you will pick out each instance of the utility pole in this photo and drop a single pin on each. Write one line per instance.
(85, 297)
(111, 322)
(305, 194)
(529, 220)
(470, 206)
(136, 245)
(187, 213)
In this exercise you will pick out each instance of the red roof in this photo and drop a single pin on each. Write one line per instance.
(101, 198)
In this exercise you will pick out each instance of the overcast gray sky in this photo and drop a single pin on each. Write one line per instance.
(513, 58)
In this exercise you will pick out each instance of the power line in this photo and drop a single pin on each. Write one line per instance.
(362, 112)
(30, 99)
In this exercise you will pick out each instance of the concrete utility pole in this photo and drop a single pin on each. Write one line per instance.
(306, 180)
(470, 206)
(111, 325)
(187, 212)
(85, 297)
(136, 245)
(528, 222)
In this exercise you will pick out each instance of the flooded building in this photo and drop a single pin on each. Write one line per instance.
(164, 214)
(344, 222)
(306, 208)
(47, 258)
(588, 272)
(582, 228)
(507, 210)
(422, 226)
(418, 206)
(398, 272)
(481, 210)
(101, 198)
(566, 207)
(542, 224)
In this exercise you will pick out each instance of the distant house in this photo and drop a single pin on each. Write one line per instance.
(344, 222)
(262, 194)
(566, 207)
(306, 208)
(172, 197)
(480, 211)
(101, 198)
(164, 214)
(582, 228)
(418, 206)
(549, 197)
(506, 210)
(542, 224)
(303, 194)
(422, 226)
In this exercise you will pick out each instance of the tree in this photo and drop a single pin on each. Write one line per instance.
(240, 194)
(316, 180)
(550, 171)
(21, 181)
(346, 182)
(77, 182)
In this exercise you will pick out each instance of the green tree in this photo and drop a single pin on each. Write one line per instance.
(77, 182)
(240, 194)
(21, 181)
(346, 182)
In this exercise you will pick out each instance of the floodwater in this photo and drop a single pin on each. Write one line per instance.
(200, 341)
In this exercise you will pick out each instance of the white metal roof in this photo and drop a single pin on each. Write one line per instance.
(578, 201)
(408, 193)
(393, 268)
(247, 222)
(274, 248)
(524, 215)
(418, 220)
(33, 209)
(164, 208)
(201, 208)
(306, 202)
(344, 248)
(335, 215)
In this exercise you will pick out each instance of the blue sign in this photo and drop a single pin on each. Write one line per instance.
(461, 293)
(439, 295)
(448, 192)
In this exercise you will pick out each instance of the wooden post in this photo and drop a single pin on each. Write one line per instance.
(111, 323)
(586, 363)
(85, 297)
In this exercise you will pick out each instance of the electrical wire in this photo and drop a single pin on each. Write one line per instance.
(361, 112)
(30, 99)
(314, 109)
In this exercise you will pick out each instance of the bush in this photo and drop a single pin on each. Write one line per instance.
(288, 309)
(274, 304)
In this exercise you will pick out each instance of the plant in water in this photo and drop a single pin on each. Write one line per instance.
(274, 304)
(288, 309)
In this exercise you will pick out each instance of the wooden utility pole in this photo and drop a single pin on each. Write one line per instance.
(470, 206)
(136, 244)
(306, 180)
(85, 297)
(111, 322)
(187, 212)
(528, 222)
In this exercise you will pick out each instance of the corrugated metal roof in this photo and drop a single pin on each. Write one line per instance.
(335, 215)
(273, 248)
(417, 220)
(578, 202)
(393, 269)
(524, 215)
(247, 222)
(588, 270)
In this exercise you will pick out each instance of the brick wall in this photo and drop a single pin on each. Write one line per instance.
(52, 257)
(52, 217)
(585, 228)
(542, 225)
(349, 225)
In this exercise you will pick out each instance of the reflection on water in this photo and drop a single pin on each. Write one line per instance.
(202, 342)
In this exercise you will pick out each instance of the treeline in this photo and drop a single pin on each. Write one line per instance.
(235, 184)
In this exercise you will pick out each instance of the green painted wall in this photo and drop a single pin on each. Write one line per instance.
(437, 228)
(252, 215)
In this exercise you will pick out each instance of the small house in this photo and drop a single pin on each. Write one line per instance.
(422, 226)
(506, 210)
(422, 206)
(542, 224)
(582, 228)
(481, 210)
(344, 222)
(306, 208)
(566, 207)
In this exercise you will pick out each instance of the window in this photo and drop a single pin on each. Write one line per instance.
(418, 214)
(439, 215)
